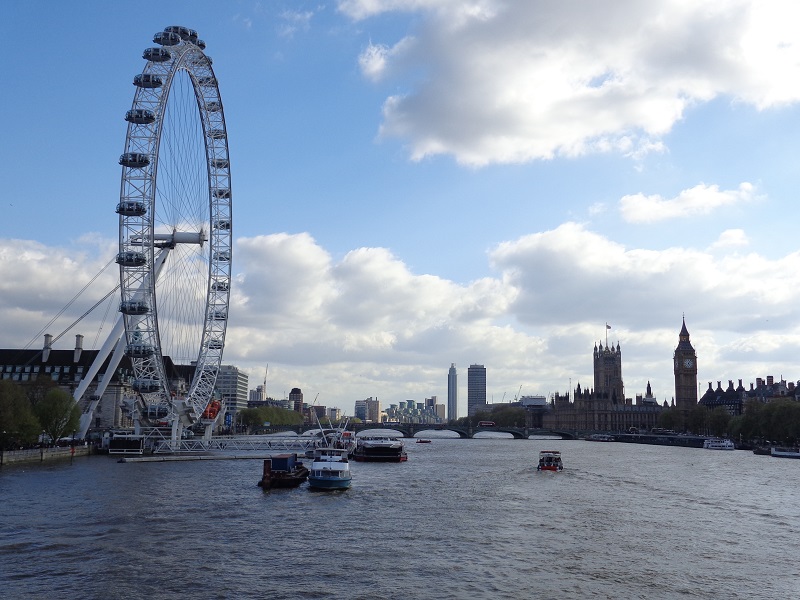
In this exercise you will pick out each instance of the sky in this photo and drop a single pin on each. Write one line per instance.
(424, 182)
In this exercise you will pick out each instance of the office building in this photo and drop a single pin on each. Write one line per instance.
(232, 385)
(476, 389)
(296, 400)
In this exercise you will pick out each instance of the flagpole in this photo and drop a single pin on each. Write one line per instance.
(606, 334)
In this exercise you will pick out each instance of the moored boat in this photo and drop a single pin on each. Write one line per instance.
(779, 452)
(550, 460)
(330, 469)
(600, 437)
(283, 471)
(421, 441)
(718, 444)
(379, 449)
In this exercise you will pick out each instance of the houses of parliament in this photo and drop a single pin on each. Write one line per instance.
(605, 407)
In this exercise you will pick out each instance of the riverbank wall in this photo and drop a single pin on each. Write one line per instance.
(33, 455)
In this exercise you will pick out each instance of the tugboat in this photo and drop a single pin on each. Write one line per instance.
(283, 471)
(550, 460)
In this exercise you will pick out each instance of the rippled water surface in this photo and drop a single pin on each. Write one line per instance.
(460, 519)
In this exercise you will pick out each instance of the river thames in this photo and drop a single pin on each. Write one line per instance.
(461, 519)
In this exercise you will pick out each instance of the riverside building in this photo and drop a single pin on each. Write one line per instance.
(476, 389)
(605, 407)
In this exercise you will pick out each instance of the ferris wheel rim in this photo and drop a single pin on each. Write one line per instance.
(143, 250)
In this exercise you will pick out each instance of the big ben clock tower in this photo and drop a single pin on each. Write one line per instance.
(685, 372)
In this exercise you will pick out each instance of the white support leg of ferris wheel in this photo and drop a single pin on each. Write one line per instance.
(112, 343)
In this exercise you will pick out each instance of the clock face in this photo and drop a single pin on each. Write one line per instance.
(688, 363)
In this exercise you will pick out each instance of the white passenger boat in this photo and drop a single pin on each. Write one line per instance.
(330, 469)
(718, 444)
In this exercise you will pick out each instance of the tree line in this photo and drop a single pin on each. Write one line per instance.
(36, 411)
(777, 421)
(254, 418)
(505, 416)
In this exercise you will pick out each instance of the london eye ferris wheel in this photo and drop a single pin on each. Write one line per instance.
(175, 223)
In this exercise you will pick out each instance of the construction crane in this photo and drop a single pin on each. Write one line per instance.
(516, 398)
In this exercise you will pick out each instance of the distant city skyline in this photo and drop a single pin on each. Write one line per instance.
(416, 184)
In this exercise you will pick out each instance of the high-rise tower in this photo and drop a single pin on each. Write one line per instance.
(452, 393)
(476, 388)
(685, 365)
(296, 400)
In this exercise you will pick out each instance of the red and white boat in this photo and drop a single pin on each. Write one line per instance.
(550, 460)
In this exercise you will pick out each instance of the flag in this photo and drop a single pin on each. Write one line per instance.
(608, 326)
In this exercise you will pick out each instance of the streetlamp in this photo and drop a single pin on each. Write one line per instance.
(41, 446)
(2, 447)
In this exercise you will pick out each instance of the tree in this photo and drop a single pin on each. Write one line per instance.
(36, 389)
(718, 421)
(18, 425)
(669, 418)
(58, 414)
(750, 421)
(250, 417)
(781, 421)
(508, 416)
(697, 419)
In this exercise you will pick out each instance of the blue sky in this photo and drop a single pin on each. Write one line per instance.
(421, 182)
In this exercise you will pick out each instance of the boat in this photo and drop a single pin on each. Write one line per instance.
(550, 460)
(421, 441)
(330, 469)
(379, 449)
(600, 437)
(780, 452)
(718, 444)
(283, 471)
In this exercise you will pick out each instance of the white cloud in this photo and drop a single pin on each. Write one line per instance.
(731, 238)
(519, 81)
(700, 200)
(294, 21)
(366, 325)
(372, 61)
(571, 274)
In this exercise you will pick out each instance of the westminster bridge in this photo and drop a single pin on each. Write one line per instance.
(410, 430)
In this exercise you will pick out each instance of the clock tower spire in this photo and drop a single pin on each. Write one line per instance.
(685, 361)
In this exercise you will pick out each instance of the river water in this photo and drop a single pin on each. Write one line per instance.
(461, 519)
